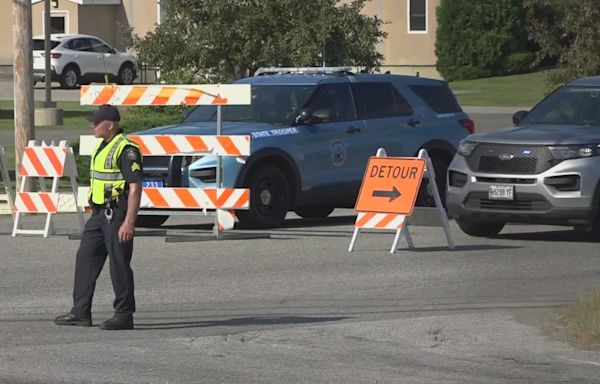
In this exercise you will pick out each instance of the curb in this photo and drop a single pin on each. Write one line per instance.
(494, 110)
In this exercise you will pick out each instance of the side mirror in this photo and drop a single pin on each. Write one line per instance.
(304, 117)
(112, 50)
(519, 116)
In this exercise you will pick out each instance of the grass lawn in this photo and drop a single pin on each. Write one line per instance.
(510, 91)
(74, 115)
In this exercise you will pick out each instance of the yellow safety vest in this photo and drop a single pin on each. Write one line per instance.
(106, 180)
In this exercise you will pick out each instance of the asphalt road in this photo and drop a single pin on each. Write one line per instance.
(298, 308)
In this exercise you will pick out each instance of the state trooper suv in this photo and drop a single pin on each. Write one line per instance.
(545, 169)
(313, 131)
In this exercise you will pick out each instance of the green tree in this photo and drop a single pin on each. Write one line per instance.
(481, 38)
(218, 41)
(567, 31)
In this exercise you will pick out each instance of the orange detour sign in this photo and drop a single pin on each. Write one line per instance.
(388, 194)
(390, 185)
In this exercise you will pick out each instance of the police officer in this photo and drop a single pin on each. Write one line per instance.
(116, 176)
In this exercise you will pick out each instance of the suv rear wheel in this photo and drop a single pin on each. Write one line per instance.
(425, 196)
(70, 77)
(479, 228)
(269, 198)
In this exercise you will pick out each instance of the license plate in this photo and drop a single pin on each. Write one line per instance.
(501, 192)
(153, 183)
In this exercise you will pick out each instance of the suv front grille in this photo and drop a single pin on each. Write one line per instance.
(518, 159)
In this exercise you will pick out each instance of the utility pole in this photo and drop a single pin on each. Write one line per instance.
(48, 73)
(23, 79)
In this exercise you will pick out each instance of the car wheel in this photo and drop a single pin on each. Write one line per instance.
(126, 74)
(425, 196)
(150, 221)
(479, 228)
(269, 198)
(313, 212)
(70, 77)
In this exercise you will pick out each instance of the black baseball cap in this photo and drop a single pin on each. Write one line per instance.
(105, 112)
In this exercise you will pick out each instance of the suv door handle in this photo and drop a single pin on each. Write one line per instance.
(413, 122)
(353, 130)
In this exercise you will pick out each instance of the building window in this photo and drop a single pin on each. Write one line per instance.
(417, 16)
(57, 24)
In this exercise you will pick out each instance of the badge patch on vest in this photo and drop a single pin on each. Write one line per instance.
(132, 154)
(135, 167)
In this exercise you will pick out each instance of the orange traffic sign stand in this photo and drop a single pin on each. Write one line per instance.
(389, 192)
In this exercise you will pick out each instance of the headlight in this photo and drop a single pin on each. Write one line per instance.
(574, 151)
(206, 175)
(465, 148)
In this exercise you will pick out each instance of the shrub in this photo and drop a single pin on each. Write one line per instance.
(519, 62)
(475, 38)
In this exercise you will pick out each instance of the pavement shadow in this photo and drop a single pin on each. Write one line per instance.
(6, 114)
(325, 222)
(567, 235)
(236, 322)
(289, 223)
(460, 248)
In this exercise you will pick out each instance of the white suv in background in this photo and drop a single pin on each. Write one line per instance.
(81, 59)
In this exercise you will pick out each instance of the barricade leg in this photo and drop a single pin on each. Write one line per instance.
(353, 239)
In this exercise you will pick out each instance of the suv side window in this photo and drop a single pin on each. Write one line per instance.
(81, 45)
(378, 100)
(337, 99)
(438, 97)
(99, 47)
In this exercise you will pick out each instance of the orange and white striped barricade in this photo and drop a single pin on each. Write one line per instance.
(43, 162)
(158, 95)
(388, 195)
(7, 198)
(224, 200)
(194, 94)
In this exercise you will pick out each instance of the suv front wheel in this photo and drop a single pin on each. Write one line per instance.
(269, 198)
(479, 228)
(126, 74)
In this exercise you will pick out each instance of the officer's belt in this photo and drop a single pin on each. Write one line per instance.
(107, 176)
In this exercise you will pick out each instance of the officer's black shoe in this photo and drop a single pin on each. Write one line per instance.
(117, 323)
(71, 319)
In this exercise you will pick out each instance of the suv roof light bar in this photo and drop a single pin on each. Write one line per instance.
(303, 71)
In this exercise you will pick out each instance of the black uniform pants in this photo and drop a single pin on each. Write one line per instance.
(100, 238)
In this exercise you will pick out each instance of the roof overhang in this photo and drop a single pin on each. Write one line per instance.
(88, 2)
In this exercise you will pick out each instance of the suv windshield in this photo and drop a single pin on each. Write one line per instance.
(272, 104)
(567, 106)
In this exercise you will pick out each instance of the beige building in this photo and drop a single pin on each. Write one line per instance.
(411, 26)
(409, 48)
(108, 19)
